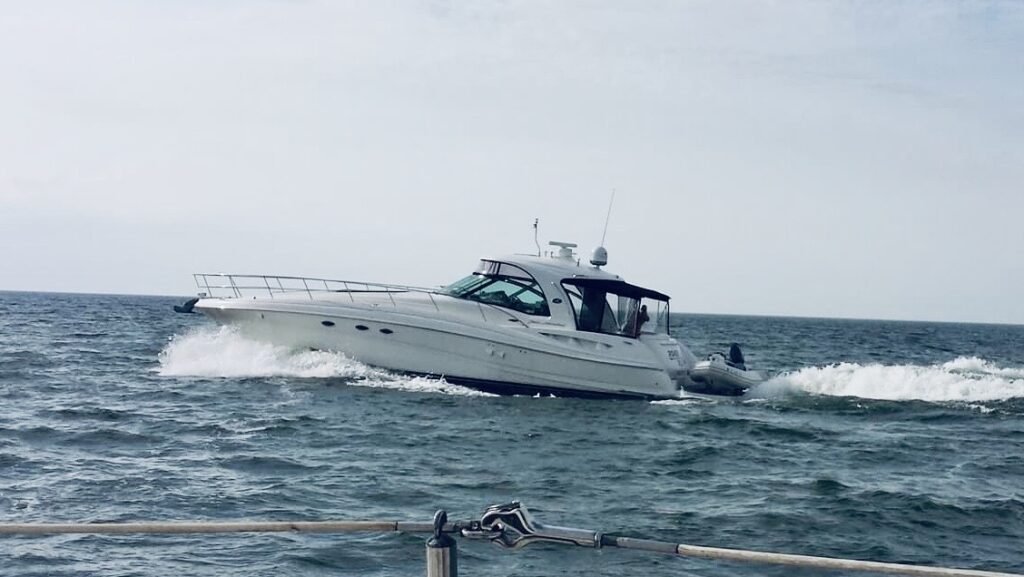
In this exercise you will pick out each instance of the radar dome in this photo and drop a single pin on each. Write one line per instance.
(599, 257)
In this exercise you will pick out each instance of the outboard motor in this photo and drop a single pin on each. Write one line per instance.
(736, 357)
(187, 307)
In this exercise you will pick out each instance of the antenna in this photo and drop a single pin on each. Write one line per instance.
(535, 241)
(608, 217)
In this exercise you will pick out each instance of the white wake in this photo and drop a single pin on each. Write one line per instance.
(967, 379)
(219, 351)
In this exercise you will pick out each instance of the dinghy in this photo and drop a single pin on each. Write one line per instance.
(724, 375)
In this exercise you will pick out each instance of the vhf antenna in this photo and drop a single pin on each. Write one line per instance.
(608, 217)
(535, 241)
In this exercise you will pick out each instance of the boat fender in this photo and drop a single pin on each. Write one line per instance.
(187, 307)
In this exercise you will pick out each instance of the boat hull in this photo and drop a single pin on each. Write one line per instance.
(508, 358)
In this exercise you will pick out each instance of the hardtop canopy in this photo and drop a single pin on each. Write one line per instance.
(618, 287)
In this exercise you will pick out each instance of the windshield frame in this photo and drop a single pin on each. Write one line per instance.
(511, 282)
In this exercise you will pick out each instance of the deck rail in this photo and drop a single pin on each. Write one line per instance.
(225, 285)
(510, 526)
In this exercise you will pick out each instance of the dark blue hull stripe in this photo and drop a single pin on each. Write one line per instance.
(507, 388)
(719, 390)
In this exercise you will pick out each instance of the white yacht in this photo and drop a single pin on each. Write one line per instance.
(517, 325)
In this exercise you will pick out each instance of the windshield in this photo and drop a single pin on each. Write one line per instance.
(503, 285)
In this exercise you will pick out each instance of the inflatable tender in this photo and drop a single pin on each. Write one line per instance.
(724, 375)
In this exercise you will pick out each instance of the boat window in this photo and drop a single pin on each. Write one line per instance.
(658, 311)
(467, 285)
(600, 310)
(495, 268)
(503, 285)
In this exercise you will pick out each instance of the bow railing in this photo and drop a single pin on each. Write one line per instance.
(224, 285)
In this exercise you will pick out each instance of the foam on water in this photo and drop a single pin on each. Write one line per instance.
(682, 401)
(965, 379)
(222, 352)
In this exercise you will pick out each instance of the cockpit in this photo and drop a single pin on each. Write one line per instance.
(599, 305)
(504, 285)
(615, 307)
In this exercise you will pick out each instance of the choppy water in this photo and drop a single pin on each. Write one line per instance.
(881, 440)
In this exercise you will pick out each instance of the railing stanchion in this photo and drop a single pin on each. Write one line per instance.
(442, 551)
(270, 291)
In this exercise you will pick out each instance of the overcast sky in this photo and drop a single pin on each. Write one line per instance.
(851, 159)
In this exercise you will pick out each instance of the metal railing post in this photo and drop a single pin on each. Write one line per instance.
(270, 291)
(442, 551)
(234, 287)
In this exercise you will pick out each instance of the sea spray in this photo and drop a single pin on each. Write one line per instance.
(221, 351)
(965, 379)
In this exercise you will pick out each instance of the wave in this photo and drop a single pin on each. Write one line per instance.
(221, 352)
(965, 379)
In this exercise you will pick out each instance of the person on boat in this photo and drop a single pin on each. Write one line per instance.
(736, 357)
(641, 318)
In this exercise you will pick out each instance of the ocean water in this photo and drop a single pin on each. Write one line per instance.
(886, 441)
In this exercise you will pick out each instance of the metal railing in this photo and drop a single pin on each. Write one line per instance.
(241, 285)
(224, 285)
(510, 526)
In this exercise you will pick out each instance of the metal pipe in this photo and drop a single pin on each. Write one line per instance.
(216, 527)
(760, 557)
(829, 563)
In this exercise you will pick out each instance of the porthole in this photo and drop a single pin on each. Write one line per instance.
(362, 328)
(387, 331)
(327, 323)
(556, 300)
